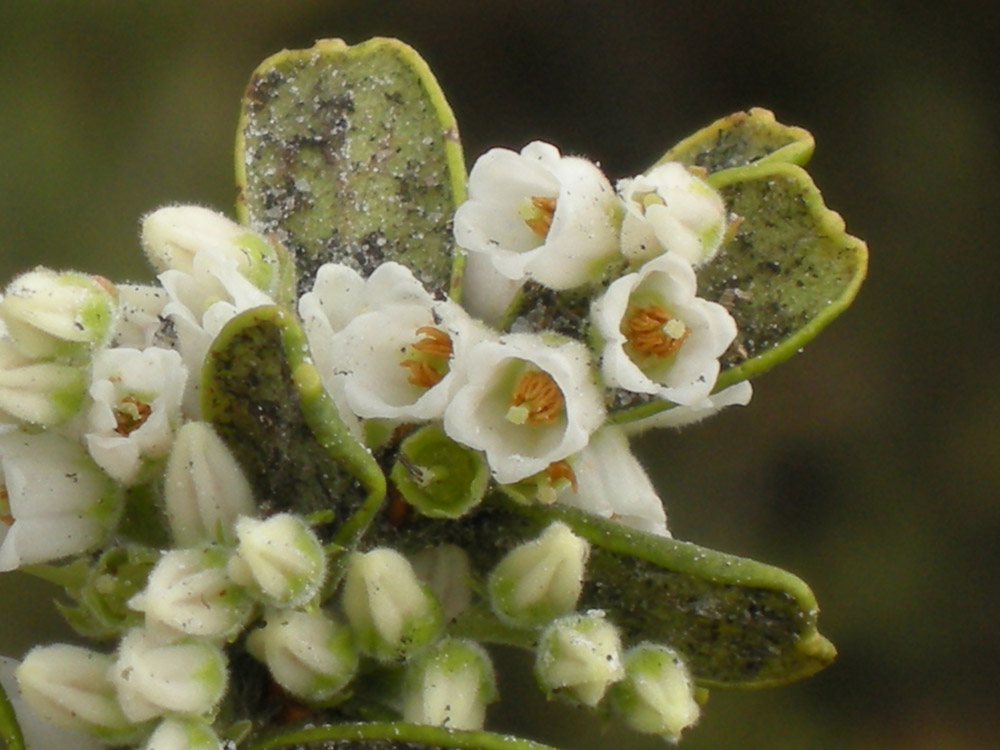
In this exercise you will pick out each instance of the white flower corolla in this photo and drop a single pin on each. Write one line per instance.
(153, 678)
(42, 393)
(738, 394)
(204, 488)
(280, 559)
(189, 593)
(486, 293)
(539, 215)
(659, 337)
(139, 308)
(49, 314)
(447, 572)
(611, 483)
(449, 685)
(578, 657)
(67, 688)
(527, 403)
(540, 580)
(173, 236)
(391, 612)
(54, 501)
(178, 734)
(669, 209)
(309, 654)
(136, 408)
(657, 694)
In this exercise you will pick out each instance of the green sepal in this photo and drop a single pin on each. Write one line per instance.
(351, 154)
(787, 271)
(739, 623)
(740, 139)
(391, 736)
(266, 401)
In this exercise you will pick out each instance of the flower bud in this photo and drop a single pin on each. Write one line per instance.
(68, 686)
(205, 490)
(439, 477)
(391, 612)
(280, 559)
(578, 657)
(175, 734)
(173, 235)
(657, 694)
(310, 655)
(58, 315)
(41, 393)
(154, 679)
(447, 571)
(449, 685)
(540, 580)
(190, 593)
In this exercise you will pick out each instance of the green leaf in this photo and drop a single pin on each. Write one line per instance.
(391, 736)
(10, 731)
(268, 404)
(351, 154)
(739, 623)
(741, 139)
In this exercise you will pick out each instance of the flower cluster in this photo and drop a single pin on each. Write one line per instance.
(100, 413)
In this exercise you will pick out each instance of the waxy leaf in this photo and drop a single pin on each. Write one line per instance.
(739, 623)
(351, 154)
(268, 404)
(390, 736)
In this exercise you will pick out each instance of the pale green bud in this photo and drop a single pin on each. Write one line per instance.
(154, 679)
(310, 655)
(540, 580)
(447, 571)
(578, 657)
(657, 694)
(41, 393)
(69, 686)
(392, 613)
(59, 315)
(279, 559)
(190, 593)
(204, 488)
(175, 734)
(449, 685)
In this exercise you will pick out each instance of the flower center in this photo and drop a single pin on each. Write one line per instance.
(429, 362)
(130, 415)
(5, 514)
(537, 213)
(535, 400)
(652, 331)
(645, 200)
(561, 471)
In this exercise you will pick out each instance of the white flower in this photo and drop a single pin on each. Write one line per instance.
(310, 655)
(55, 501)
(738, 394)
(175, 734)
(137, 403)
(42, 393)
(189, 593)
(154, 679)
(657, 694)
(658, 336)
(449, 685)
(610, 482)
(67, 687)
(204, 488)
(139, 309)
(527, 404)
(669, 209)
(578, 657)
(540, 215)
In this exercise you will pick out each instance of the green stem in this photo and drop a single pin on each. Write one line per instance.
(398, 735)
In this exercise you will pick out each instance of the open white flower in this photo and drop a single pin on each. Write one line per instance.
(658, 336)
(54, 501)
(137, 404)
(139, 309)
(669, 209)
(527, 404)
(539, 215)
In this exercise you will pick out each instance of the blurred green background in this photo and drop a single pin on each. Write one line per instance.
(868, 465)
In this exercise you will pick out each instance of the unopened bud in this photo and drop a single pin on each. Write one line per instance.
(449, 685)
(177, 734)
(391, 612)
(40, 393)
(578, 657)
(540, 580)
(447, 571)
(280, 559)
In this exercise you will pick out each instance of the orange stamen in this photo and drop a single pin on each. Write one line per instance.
(541, 220)
(539, 392)
(435, 343)
(436, 347)
(561, 470)
(422, 374)
(131, 416)
(644, 330)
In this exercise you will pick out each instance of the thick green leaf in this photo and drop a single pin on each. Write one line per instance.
(267, 402)
(740, 623)
(741, 139)
(351, 154)
(390, 736)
